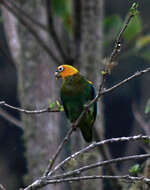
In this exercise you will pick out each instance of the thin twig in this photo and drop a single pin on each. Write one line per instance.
(54, 157)
(32, 31)
(99, 164)
(42, 182)
(117, 47)
(127, 178)
(96, 144)
(3, 103)
(2, 187)
(10, 118)
(60, 178)
(72, 128)
(22, 13)
(74, 125)
(77, 32)
(52, 29)
(137, 74)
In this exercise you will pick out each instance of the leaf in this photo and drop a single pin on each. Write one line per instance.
(51, 104)
(134, 9)
(57, 103)
(147, 108)
(60, 107)
(135, 169)
(103, 72)
(134, 28)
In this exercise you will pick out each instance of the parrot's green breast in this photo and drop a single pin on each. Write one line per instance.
(76, 91)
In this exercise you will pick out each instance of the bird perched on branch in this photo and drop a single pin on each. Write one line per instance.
(75, 93)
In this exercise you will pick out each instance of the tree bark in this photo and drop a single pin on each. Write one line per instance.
(36, 86)
(87, 20)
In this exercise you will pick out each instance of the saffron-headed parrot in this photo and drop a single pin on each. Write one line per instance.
(76, 91)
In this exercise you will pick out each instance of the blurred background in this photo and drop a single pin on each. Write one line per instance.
(29, 54)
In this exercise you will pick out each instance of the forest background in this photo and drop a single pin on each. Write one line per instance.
(108, 42)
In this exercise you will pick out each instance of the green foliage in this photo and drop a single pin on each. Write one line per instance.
(51, 104)
(134, 28)
(57, 104)
(60, 107)
(103, 72)
(62, 8)
(134, 9)
(147, 108)
(135, 169)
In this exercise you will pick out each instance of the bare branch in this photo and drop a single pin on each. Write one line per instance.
(60, 178)
(10, 118)
(22, 13)
(32, 31)
(137, 74)
(3, 103)
(77, 33)
(128, 178)
(96, 144)
(54, 157)
(99, 164)
(37, 184)
(52, 30)
(2, 187)
(101, 92)
(117, 47)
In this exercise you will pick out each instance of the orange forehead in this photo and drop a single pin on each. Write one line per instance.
(66, 70)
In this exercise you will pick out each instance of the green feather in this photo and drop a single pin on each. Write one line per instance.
(76, 91)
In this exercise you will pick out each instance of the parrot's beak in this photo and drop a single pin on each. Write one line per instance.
(57, 75)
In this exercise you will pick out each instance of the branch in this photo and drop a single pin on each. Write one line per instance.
(100, 93)
(124, 177)
(96, 144)
(10, 118)
(52, 30)
(99, 164)
(137, 74)
(43, 181)
(37, 184)
(76, 24)
(54, 157)
(2, 187)
(117, 47)
(22, 13)
(3, 103)
(32, 31)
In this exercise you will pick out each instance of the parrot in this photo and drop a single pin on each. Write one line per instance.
(76, 92)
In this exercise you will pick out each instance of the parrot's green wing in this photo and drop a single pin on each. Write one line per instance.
(76, 91)
(89, 118)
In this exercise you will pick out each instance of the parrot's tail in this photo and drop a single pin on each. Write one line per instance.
(86, 132)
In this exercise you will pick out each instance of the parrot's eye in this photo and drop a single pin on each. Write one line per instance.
(60, 69)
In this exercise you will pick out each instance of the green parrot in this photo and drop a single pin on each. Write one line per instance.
(77, 91)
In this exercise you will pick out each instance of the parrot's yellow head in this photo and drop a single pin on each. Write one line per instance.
(64, 71)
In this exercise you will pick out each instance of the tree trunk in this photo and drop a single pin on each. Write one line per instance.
(87, 20)
(36, 86)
